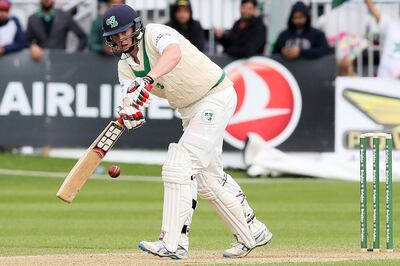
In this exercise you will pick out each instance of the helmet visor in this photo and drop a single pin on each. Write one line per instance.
(124, 44)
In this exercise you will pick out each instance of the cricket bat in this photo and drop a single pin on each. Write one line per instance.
(86, 165)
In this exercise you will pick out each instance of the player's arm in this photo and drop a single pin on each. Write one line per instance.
(373, 9)
(166, 42)
(167, 62)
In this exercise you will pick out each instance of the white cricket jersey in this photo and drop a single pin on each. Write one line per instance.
(193, 77)
(389, 66)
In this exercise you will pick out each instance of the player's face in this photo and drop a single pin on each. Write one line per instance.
(299, 20)
(248, 10)
(123, 39)
(183, 15)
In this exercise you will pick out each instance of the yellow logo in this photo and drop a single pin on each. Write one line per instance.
(381, 109)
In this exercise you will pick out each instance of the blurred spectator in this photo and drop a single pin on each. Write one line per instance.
(248, 35)
(183, 22)
(344, 33)
(12, 38)
(301, 40)
(348, 48)
(389, 28)
(96, 41)
(48, 28)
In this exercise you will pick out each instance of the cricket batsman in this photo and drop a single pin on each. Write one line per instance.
(158, 60)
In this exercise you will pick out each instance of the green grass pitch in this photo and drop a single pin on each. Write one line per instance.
(114, 215)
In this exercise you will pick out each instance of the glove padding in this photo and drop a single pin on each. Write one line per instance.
(139, 95)
(131, 117)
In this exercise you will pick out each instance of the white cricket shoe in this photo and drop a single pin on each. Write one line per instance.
(239, 250)
(158, 248)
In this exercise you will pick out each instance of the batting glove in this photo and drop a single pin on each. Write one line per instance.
(131, 117)
(139, 95)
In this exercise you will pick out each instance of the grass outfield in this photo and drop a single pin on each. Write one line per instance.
(112, 216)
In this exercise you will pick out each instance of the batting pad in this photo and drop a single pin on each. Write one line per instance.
(177, 207)
(227, 206)
(193, 188)
(232, 187)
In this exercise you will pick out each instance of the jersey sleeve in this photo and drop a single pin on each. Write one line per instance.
(125, 76)
(162, 38)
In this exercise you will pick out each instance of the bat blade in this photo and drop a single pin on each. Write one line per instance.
(77, 177)
(88, 163)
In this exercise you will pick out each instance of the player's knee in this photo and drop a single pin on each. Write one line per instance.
(177, 167)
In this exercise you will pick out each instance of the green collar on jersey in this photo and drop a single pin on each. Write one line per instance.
(220, 79)
(146, 62)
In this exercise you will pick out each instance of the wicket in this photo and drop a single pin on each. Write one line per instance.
(376, 137)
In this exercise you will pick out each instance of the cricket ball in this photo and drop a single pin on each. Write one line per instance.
(114, 171)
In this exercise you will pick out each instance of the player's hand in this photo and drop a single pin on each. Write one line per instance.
(139, 94)
(131, 117)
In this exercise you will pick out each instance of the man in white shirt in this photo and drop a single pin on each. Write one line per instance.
(389, 29)
(156, 59)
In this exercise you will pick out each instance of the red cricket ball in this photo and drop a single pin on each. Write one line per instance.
(114, 171)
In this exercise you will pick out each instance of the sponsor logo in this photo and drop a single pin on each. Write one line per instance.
(160, 36)
(383, 110)
(352, 138)
(112, 133)
(269, 101)
(58, 99)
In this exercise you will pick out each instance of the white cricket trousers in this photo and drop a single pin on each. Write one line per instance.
(204, 124)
